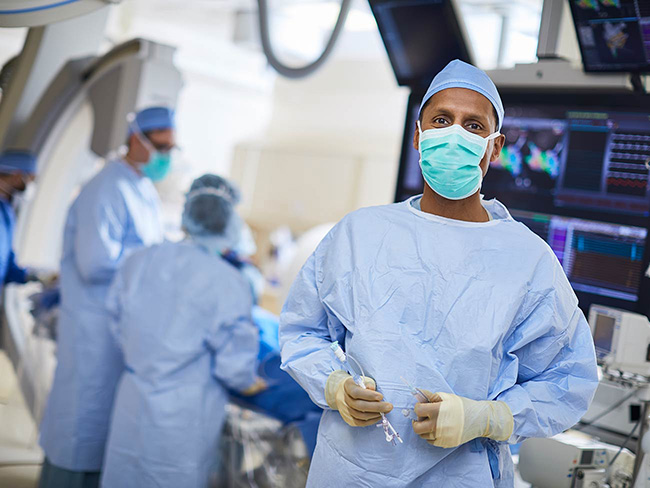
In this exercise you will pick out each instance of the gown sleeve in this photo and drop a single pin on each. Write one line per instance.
(306, 333)
(15, 274)
(102, 220)
(557, 371)
(234, 339)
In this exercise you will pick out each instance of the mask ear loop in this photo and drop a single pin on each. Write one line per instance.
(138, 133)
(419, 140)
(492, 136)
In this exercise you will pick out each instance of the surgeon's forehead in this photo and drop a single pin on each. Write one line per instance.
(160, 135)
(461, 102)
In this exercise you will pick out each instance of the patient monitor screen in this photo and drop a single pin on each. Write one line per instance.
(603, 334)
(421, 37)
(598, 257)
(614, 35)
(583, 159)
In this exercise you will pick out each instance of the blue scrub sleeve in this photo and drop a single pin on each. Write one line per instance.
(235, 342)
(15, 274)
(306, 334)
(558, 374)
(99, 239)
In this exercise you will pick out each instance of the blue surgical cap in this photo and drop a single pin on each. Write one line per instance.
(218, 183)
(458, 74)
(153, 118)
(210, 208)
(17, 161)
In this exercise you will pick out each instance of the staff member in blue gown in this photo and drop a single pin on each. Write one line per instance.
(181, 314)
(17, 169)
(116, 213)
(450, 292)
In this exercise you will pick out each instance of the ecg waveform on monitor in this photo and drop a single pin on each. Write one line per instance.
(627, 172)
(606, 260)
(600, 258)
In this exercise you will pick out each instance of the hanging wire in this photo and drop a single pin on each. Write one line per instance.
(302, 71)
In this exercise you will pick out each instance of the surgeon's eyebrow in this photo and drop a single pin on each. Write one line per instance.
(438, 111)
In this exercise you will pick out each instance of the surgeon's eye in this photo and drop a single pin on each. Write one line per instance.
(474, 127)
(440, 121)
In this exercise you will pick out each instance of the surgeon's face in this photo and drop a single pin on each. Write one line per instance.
(16, 181)
(467, 108)
(162, 141)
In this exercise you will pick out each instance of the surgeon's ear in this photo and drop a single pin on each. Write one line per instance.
(496, 148)
(416, 138)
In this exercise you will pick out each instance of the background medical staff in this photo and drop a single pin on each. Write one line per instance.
(116, 213)
(181, 315)
(451, 293)
(17, 169)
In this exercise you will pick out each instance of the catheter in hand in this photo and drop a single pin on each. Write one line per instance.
(418, 394)
(357, 376)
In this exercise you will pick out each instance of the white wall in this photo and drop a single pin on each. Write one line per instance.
(334, 138)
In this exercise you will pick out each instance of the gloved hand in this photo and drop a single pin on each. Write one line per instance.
(450, 420)
(358, 407)
(46, 278)
(257, 387)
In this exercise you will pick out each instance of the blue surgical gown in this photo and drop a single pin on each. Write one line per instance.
(481, 310)
(117, 212)
(182, 318)
(10, 272)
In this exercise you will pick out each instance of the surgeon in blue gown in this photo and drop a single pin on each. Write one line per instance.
(116, 213)
(17, 169)
(449, 292)
(181, 314)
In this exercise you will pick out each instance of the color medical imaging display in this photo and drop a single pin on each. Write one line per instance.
(591, 159)
(614, 35)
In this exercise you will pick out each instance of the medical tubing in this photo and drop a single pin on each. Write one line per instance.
(302, 71)
(629, 436)
(359, 377)
(609, 410)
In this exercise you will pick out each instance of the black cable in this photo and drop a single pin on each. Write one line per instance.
(629, 436)
(300, 72)
(608, 411)
(637, 83)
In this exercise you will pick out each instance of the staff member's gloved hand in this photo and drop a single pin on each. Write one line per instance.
(450, 420)
(257, 387)
(358, 407)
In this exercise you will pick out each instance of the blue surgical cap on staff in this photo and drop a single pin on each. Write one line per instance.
(17, 161)
(209, 208)
(458, 74)
(153, 118)
(219, 183)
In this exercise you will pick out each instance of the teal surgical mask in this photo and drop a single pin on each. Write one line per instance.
(450, 160)
(158, 166)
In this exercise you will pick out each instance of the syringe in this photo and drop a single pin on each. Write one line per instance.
(357, 376)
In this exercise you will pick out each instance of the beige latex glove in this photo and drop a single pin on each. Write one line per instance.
(358, 407)
(255, 388)
(450, 420)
